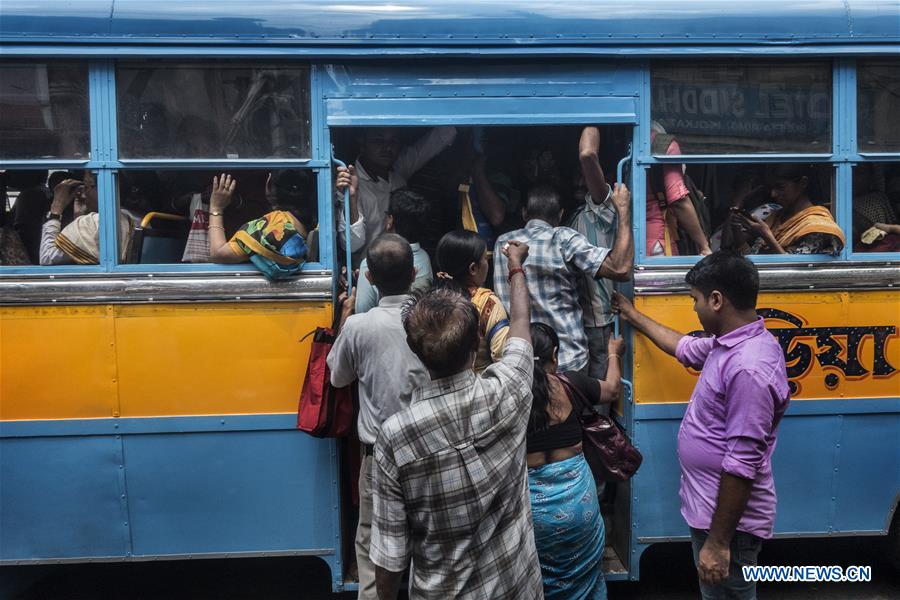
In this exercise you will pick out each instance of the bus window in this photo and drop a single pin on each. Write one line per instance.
(756, 208)
(171, 215)
(213, 111)
(55, 216)
(877, 105)
(876, 205)
(44, 111)
(481, 180)
(734, 108)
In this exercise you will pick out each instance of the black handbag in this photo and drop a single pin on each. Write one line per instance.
(608, 451)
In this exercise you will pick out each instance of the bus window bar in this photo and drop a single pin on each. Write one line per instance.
(736, 158)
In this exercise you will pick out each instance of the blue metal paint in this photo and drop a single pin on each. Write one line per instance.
(229, 492)
(453, 22)
(149, 50)
(148, 425)
(112, 495)
(61, 498)
(817, 458)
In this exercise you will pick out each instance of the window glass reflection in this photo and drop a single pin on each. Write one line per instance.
(215, 111)
(738, 108)
(878, 105)
(44, 111)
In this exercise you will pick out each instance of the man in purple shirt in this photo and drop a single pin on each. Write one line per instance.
(727, 436)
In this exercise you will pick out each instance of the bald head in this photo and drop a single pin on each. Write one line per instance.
(390, 261)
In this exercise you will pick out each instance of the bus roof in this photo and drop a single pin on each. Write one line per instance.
(452, 23)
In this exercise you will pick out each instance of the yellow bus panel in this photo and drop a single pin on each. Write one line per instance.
(155, 360)
(837, 345)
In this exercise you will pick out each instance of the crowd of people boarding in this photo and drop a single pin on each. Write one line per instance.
(473, 475)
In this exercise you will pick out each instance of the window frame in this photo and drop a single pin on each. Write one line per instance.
(105, 162)
(843, 157)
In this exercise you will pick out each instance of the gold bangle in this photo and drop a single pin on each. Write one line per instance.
(619, 356)
(216, 214)
(215, 227)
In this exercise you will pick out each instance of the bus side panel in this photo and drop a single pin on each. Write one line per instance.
(211, 359)
(57, 362)
(230, 492)
(62, 497)
(837, 462)
(869, 479)
(834, 474)
(654, 488)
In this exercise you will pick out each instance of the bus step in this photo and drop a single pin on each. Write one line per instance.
(612, 564)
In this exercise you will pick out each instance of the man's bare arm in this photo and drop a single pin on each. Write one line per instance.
(589, 156)
(715, 556)
(519, 300)
(620, 260)
(666, 339)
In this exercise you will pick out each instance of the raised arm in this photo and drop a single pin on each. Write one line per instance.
(490, 204)
(589, 156)
(222, 192)
(666, 339)
(620, 260)
(414, 157)
(519, 301)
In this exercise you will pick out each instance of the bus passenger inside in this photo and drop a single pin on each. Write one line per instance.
(79, 241)
(382, 166)
(875, 224)
(669, 204)
(30, 208)
(798, 227)
(278, 243)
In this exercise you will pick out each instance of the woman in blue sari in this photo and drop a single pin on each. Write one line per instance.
(568, 526)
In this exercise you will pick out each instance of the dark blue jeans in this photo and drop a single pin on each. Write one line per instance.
(745, 549)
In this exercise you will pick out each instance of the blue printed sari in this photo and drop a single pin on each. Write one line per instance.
(568, 530)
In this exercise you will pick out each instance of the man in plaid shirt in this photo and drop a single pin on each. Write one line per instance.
(559, 255)
(450, 485)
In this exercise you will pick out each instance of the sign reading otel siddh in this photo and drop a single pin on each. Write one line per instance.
(714, 116)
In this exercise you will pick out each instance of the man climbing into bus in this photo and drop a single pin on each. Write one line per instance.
(406, 216)
(595, 219)
(382, 167)
(559, 255)
(371, 348)
(450, 486)
(729, 430)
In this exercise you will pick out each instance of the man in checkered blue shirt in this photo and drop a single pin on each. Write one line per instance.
(559, 255)
(450, 487)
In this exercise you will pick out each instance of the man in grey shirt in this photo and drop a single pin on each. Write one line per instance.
(372, 349)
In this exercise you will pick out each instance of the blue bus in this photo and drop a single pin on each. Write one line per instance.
(148, 397)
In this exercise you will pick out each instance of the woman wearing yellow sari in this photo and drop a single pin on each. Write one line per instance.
(800, 227)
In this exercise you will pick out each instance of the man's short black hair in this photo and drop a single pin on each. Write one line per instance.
(442, 329)
(729, 272)
(410, 211)
(390, 262)
(543, 203)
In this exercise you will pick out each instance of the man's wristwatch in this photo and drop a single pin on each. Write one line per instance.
(52, 215)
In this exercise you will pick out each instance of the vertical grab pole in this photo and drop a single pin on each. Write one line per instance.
(620, 173)
(347, 224)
